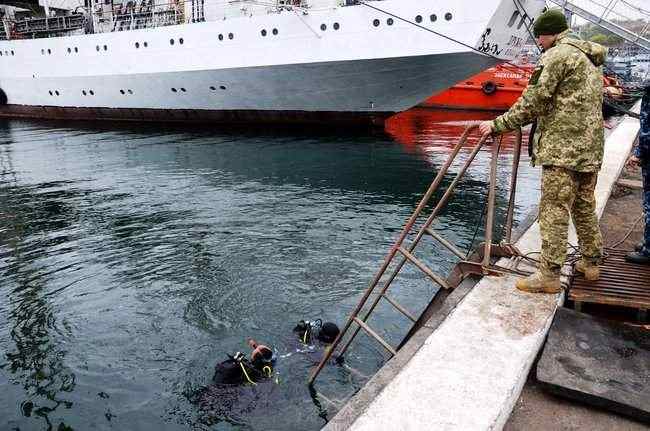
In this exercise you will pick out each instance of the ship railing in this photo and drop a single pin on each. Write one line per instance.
(132, 16)
(38, 27)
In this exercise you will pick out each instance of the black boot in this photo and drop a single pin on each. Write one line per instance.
(639, 258)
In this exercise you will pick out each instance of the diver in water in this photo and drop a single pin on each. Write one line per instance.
(239, 369)
(325, 333)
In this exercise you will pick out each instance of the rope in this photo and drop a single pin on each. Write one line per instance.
(627, 235)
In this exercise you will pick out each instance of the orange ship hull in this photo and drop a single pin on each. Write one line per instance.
(495, 89)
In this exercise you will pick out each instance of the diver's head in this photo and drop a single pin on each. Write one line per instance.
(328, 332)
(261, 354)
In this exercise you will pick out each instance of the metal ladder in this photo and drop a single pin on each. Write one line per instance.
(639, 39)
(406, 254)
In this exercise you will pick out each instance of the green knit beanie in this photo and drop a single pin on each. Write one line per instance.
(550, 22)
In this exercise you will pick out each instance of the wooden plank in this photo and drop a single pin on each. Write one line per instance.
(374, 335)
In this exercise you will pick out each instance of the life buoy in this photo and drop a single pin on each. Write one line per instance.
(489, 87)
(3, 97)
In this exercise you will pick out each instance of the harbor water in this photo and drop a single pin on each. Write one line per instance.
(134, 258)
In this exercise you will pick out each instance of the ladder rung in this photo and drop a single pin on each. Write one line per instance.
(399, 307)
(374, 335)
(424, 268)
(452, 248)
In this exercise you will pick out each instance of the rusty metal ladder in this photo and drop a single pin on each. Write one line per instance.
(466, 267)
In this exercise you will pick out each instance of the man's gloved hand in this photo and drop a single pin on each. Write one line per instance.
(486, 127)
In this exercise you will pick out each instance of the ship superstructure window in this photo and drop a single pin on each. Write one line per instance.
(448, 16)
(433, 17)
(171, 41)
(221, 37)
(174, 90)
(83, 92)
(323, 27)
(231, 36)
(145, 44)
(183, 90)
(51, 94)
(263, 32)
(390, 21)
(49, 51)
(180, 41)
(56, 92)
(137, 45)
(76, 49)
(129, 91)
(97, 48)
(213, 88)
(336, 26)
(223, 87)
(42, 52)
(275, 32)
(92, 93)
(418, 19)
(105, 48)
(12, 52)
(376, 23)
(122, 92)
(69, 50)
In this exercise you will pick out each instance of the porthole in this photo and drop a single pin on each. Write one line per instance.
(418, 19)
(92, 93)
(56, 92)
(180, 40)
(137, 45)
(264, 32)
(336, 26)
(174, 90)
(323, 27)
(69, 50)
(129, 91)
(105, 48)
(223, 87)
(390, 21)
(121, 91)
(221, 37)
(171, 41)
(213, 88)
(275, 32)
(231, 36)
(146, 44)
(448, 16)
(433, 18)
(183, 90)
(376, 23)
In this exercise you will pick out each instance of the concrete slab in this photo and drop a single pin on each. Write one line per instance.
(598, 362)
(470, 371)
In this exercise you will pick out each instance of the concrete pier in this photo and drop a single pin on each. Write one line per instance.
(468, 372)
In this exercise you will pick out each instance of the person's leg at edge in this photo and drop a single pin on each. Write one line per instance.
(642, 256)
(558, 194)
(585, 220)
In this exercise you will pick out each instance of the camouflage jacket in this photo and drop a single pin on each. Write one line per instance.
(565, 96)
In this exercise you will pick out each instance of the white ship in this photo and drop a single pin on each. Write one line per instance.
(314, 61)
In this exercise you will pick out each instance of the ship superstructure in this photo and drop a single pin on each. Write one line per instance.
(290, 61)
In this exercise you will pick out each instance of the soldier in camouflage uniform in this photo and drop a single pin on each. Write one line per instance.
(564, 97)
(642, 157)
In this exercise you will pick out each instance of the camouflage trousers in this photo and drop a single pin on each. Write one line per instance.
(568, 194)
(646, 207)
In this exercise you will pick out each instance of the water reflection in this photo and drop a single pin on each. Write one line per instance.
(134, 258)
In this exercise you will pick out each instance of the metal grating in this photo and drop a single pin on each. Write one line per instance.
(621, 283)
